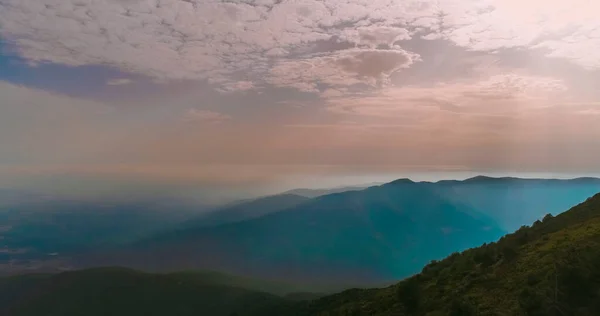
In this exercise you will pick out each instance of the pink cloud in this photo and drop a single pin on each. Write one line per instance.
(195, 115)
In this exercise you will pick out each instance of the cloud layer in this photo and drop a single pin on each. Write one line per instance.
(195, 115)
(119, 82)
(355, 84)
(265, 40)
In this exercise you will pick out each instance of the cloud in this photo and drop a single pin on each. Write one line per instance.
(589, 112)
(36, 125)
(196, 39)
(236, 86)
(502, 120)
(454, 81)
(500, 94)
(567, 29)
(333, 93)
(374, 36)
(195, 115)
(343, 68)
(119, 82)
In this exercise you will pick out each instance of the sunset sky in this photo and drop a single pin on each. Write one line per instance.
(252, 94)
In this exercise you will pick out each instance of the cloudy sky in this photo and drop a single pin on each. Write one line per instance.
(240, 92)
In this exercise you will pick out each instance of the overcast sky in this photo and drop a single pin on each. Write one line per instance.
(240, 92)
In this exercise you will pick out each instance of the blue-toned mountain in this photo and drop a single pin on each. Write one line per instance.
(378, 234)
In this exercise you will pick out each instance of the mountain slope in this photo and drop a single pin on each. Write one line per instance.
(116, 291)
(551, 268)
(313, 193)
(247, 210)
(513, 202)
(373, 235)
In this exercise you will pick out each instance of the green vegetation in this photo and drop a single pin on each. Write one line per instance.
(550, 268)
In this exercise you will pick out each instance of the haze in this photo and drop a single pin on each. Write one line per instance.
(260, 96)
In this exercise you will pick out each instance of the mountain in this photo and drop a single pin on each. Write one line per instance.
(550, 268)
(117, 291)
(246, 210)
(356, 237)
(513, 202)
(313, 193)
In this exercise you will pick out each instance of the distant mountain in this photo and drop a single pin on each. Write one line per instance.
(373, 235)
(510, 201)
(313, 193)
(550, 268)
(246, 210)
(116, 291)
(355, 237)
(513, 202)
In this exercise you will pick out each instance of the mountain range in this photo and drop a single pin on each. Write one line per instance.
(313, 193)
(513, 202)
(368, 236)
(549, 268)
(246, 210)
(358, 237)
(377, 234)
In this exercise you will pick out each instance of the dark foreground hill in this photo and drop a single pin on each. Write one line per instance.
(116, 291)
(550, 268)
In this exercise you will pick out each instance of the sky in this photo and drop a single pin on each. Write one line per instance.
(254, 95)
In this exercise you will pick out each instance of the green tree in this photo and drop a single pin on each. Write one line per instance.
(409, 294)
